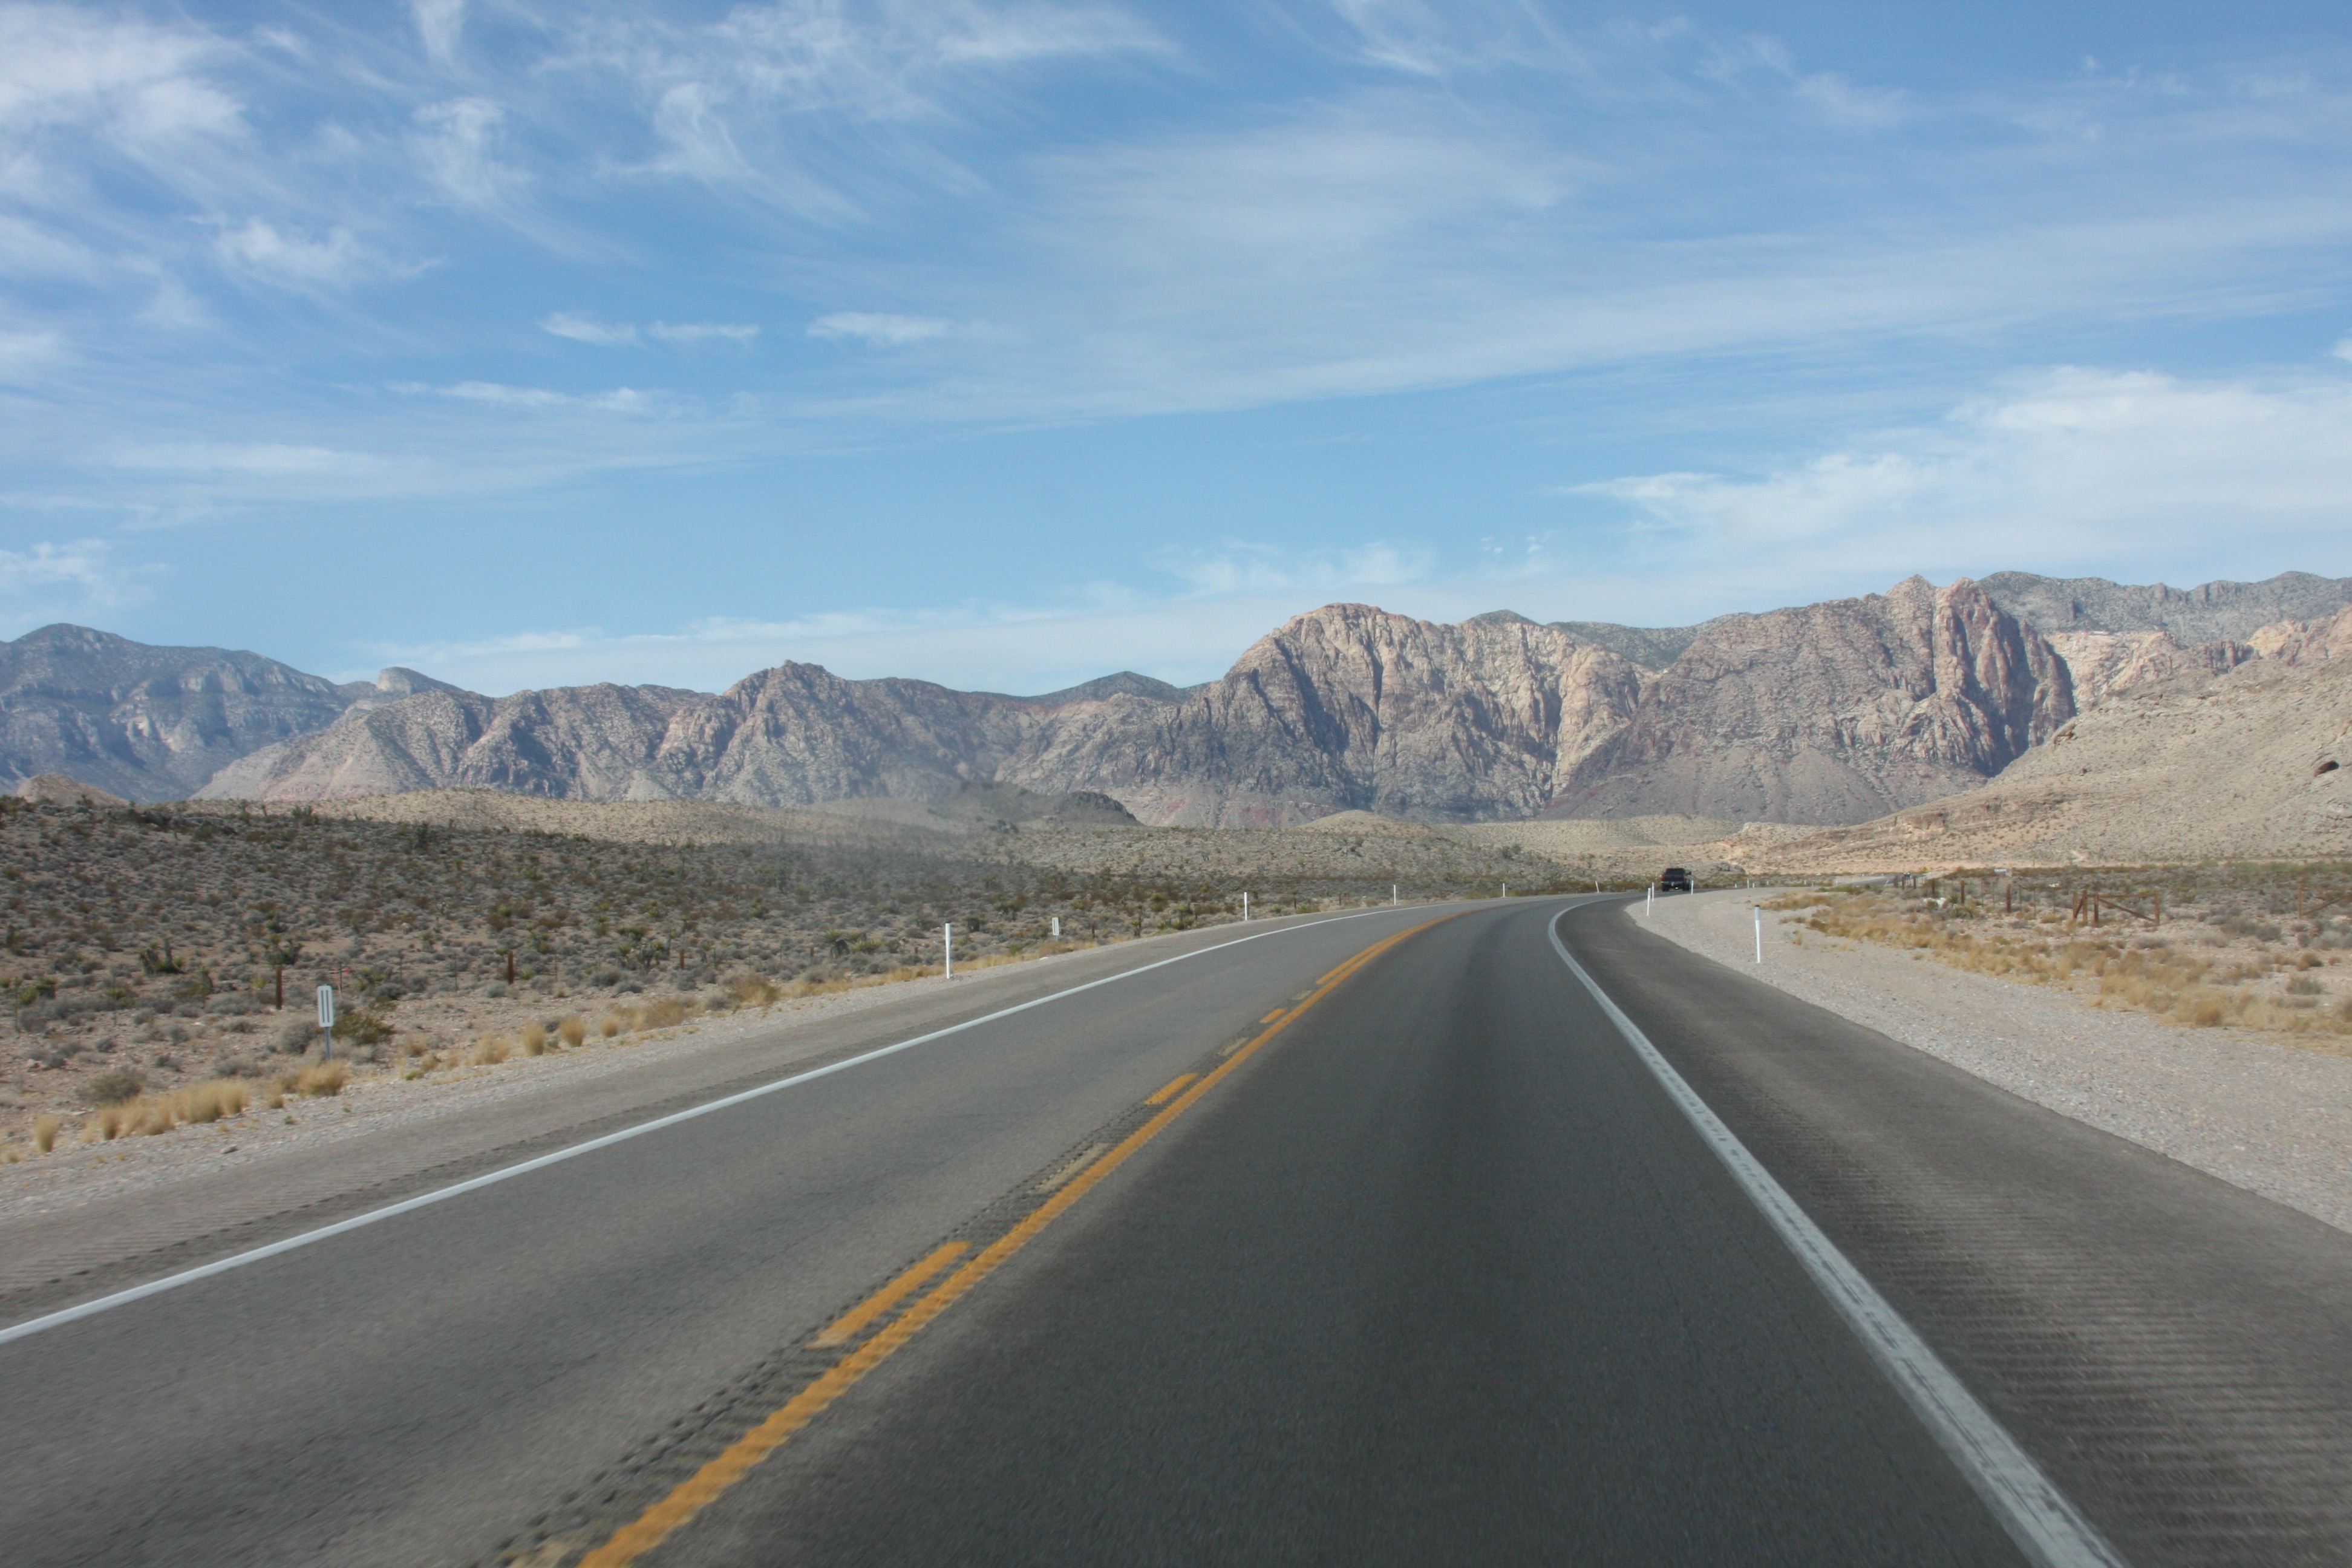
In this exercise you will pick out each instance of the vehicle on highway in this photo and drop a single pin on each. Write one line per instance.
(1675, 879)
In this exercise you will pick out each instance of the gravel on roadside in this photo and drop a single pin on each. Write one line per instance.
(2272, 1117)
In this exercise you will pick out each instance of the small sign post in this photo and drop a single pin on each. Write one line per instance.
(326, 1022)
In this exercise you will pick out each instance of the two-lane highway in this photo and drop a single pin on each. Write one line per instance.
(1370, 1239)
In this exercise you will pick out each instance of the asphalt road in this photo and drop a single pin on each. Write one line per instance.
(1254, 1256)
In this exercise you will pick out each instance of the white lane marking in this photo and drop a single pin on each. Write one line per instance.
(31, 1326)
(2038, 1517)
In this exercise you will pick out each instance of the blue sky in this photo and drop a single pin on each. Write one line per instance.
(1007, 344)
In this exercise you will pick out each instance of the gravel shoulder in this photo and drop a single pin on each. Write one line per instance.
(2269, 1116)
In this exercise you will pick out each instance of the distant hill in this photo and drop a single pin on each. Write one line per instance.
(1828, 713)
(144, 723)
(1125, 682)
(2210, 612)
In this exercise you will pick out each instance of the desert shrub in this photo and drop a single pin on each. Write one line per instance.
(2305, 986)
(609, 1025)
(113, 1088)
(534, 1041)
(323, 1079)
(573, 1029)
(364, 1026)
(750, 991)
(45, 1131)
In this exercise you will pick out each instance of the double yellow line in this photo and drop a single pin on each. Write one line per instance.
(654, 1526)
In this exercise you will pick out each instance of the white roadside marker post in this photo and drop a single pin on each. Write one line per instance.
(326, 1022)
(947, 934)
(1244, 908)
(1760, 933)
(1057, 927)
(1393, 887)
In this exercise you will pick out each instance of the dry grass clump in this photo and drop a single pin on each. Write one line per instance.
(572, 1030)
(153, 1114)
(2225, 980)
(752, 991)
(45, 1131)
(322, 1081)
(533, 1040)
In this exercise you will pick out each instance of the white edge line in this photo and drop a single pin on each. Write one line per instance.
(64, 1315)
(2049, 1528)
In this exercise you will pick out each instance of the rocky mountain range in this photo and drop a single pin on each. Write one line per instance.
(145, 722)
(2252, 762)
(1833, 712)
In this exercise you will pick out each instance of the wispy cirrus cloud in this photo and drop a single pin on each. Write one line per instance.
(627, 400)
(260, 248)
(582, 329)
(51, 580)
(2048, 472)
(879, 328)
(439, 25)
(1257, 568)
(141, 85)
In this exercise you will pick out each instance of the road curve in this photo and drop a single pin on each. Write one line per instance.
(1265, 1256)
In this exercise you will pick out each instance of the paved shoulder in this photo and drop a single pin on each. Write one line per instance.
(2175, 1351)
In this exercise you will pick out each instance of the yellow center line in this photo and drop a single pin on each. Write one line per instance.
(1270, 1017)
(654, 1526)
(843, 1328)
(1168, 1089)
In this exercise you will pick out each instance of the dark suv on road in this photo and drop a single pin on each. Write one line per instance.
(1674, 880)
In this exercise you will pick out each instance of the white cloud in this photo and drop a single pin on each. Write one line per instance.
(455, 144)
(881, 330)
(830, 107)
(288, 257)
(259, 458)
(687, 334)
(877, 59)
(619, 400)
(26, 354)
(987, 647)
(623, 334)
(48, 580)
(133, 80)
(588, 330)
(438, 24)
(1242, 567)
(30, 249)
(2059, 469)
